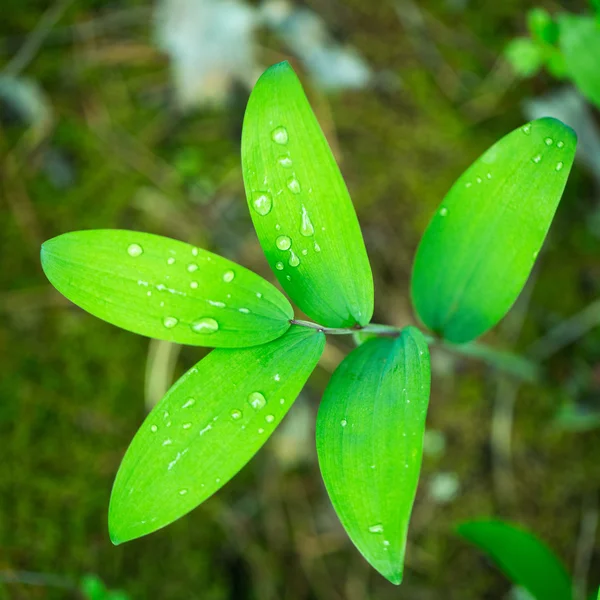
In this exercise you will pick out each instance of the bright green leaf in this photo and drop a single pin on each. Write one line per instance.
(370, 429)
(165, 289)
(522, 557)
(479, 248)
(526, 56)
(207, 427)
(93, 587)
(580, 45)
(300, 206)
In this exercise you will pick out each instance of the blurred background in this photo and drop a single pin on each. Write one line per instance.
(127, 114)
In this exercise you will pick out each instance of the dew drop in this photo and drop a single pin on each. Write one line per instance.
(194, 251)
(304, 252)
(154, 429)
(526, 129)
(167, 442)
(192, 267)
(537, 158)
(134, 250)
(228, 276)
(205, 325)
(244, 310)
(280, 135)
(468, 184)
(257, 400)
(194, 284)
(282, 401)
(189, 402)
(170, 260)
(288, 277)
(283, 242)
(549, 141)
(258, 295)
(261, 430)
(236, 414)
(559, 166)
(294, 260)
(187, 425)
(269, 418)
(285, 161)
(262, 203)
(277, 377)
(306, 229)
(560, 144)
(170, 322)
(378, 528)
(279, 266)
(489, 175)
(478, 180)
(386, 542)
(293, 185)
(343, 422)
(183, 492)
(317, 247)
(443, 211)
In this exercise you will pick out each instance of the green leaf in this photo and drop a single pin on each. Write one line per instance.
(526, 56)
(207, 427)
(541, 25)
(370, 429)
(165, 289)
(479, 248)
(300, 206)
(523, 558)
(580, 45)
(92, 587)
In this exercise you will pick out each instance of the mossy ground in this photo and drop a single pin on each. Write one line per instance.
(118, 154)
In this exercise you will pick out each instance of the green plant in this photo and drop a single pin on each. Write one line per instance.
(522, 557)
(568, 46)
(471, 264)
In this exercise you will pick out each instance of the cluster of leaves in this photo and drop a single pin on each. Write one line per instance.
(471, 265)
(568, 46)
(525, 559)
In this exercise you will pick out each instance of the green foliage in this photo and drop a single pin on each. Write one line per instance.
(479, 248)
(470, 266)
(93, 588)
(525, 559)
(165, 289)
(568, 47)
(300, 206)
(370, 431)
(207, 427)
(580, 46)
(525, 55)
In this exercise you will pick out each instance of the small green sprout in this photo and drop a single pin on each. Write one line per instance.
(471, 265)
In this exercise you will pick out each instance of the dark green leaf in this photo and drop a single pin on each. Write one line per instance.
(370, 431)
(207, 427)
(165, 289)
(580, 45)
(481, 244)
(523, 558)
(300, 206)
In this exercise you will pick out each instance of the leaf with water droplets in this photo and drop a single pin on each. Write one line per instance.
(165, 289)
(525, 559)
(370, 430)
(479, 248)
(300, 206)
(206, 428)
(579, 43)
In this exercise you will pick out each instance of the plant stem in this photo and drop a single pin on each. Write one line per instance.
(510, 363)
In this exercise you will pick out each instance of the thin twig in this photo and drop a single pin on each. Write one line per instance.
(35, 39)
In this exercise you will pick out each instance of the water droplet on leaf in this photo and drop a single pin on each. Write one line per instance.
(256, 400)
(283, 242)
(170, 322)
(134, 250)
(205, 325)
(228, 276)
(280, 135)
(262, 203)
